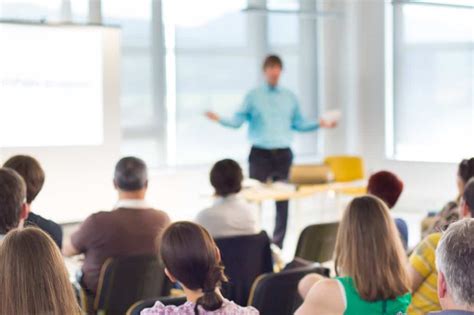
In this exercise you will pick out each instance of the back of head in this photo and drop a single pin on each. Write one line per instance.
(12, 198)
(30, 169)
(454, 257)
(33, 277)
(131, 174)
(369, 250)
(466, 169)
(191, 256)
(226, 177)
(468, 196)
(386, 186)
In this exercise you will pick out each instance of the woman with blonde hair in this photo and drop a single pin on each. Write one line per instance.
(33, 277)
(370, 264)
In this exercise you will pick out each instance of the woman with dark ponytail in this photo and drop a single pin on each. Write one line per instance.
(192, 259)
(450, 212)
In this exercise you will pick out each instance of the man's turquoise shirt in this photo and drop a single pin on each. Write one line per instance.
(273, 113)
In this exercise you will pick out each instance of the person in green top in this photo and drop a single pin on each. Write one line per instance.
(370, 264)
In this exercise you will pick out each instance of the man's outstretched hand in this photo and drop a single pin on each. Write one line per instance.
(212, 116)
(327, 124)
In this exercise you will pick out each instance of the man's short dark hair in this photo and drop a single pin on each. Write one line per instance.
(131, 174)
(272, 60)
(30, 169)
(226, 177)
(12, 198)
(468, 195)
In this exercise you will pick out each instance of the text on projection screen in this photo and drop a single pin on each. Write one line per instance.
(50, 86)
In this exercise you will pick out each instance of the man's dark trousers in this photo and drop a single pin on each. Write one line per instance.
(273, 165)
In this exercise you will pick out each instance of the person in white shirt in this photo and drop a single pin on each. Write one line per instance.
(230, 215)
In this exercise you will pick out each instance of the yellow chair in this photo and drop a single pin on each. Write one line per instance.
(346, 168)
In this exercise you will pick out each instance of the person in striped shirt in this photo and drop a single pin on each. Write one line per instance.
(422, 271)
(422, 266)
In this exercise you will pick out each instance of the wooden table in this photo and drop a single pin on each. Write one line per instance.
(280, 191)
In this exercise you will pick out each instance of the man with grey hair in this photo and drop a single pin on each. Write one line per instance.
(454, 261)
(129, 229)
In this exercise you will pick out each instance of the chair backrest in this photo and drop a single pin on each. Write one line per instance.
(125, 280)
(136, 308)
(277, 293)
(346, 168)
(316, 242)
(245, 258)
(309, 174)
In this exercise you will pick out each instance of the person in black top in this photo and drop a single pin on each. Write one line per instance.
(33, 174)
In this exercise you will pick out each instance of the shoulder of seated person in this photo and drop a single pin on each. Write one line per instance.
(327, 293)
(163, 214)
(432, 238)
(41, 218)
(205, 212)
(326, 284)
(98, 216)
(157, 308)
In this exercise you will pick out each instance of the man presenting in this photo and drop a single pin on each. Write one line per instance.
(272, 113)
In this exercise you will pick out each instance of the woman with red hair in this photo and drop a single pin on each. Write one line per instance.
(388, 187)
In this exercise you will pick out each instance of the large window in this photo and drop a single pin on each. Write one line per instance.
(432, 118)
(142, 122)
(215, 67)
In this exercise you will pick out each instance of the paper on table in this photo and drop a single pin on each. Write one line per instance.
(332, 115)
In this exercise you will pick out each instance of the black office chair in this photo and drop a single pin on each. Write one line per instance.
(317, 242)
(125, 280)
(245, 258)
(136, 308)
(277, 293)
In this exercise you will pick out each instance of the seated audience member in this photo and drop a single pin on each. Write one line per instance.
(130, 229)
(388, 187)
(230, 215)
(450, 212)
(422, 266)
(192, 259)
(33, 277)
(13, 208)
(31, 171)
(454, 258)
(370, 262)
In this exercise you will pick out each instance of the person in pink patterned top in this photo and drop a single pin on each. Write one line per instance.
(193, 260)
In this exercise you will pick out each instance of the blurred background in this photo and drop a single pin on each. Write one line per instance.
(401, 72)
